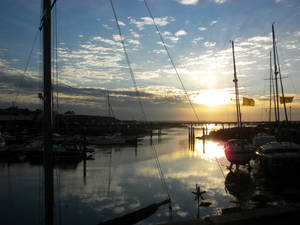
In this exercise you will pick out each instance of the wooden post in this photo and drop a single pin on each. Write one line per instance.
(203, 139)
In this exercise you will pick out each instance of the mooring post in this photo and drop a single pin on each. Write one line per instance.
(203, 139)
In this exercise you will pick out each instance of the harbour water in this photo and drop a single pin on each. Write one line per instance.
(122, 179)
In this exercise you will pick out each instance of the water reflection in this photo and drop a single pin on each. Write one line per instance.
(240, 184)
(210, 150)
(122, 179)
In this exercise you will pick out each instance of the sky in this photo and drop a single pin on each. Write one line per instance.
(89, 60)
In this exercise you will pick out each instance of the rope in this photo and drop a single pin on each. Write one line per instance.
(58, 194)
(56, 57)
(178, 75)
(26, 66)
(172, 62)
(164, 184)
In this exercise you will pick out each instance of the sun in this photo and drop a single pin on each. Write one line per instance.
(212, 97)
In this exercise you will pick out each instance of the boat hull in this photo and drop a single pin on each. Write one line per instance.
(238, 157)
(239, 151)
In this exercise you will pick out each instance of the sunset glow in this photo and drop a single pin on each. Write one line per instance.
(212, 97)
(212, 150)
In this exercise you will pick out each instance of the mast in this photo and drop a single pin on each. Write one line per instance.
(237, 99)
(48, 124)
(282, 91)
(270, 101)
(273, 88)
(276, 76)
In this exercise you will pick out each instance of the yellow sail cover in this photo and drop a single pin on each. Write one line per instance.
(287, 99)
(248, 101)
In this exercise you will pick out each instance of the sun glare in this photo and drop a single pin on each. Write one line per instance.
(212, 150)
(212, 97)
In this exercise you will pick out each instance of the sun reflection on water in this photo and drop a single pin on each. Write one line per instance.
(212, 150)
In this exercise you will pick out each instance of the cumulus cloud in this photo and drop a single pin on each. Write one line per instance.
(134, 34)
(201, 28)
(143, 21)
(135, 42)
(260, 39)
(196, 40)
(213, 22)
(209, 44)
(188, 2)
(221, 1)
(107, 26)
(180, 33)
(121, 23)
(297, 34)
(108, 41)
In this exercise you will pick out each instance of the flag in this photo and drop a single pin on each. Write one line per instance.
(287, 99)
(248, 101)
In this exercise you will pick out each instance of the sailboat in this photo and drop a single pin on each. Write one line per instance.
(265, 137)
(238, 151)
(276, 156)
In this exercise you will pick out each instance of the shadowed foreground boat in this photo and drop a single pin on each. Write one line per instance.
(136, 216)
(261, 216)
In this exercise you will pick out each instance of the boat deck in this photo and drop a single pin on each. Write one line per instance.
(270, 215)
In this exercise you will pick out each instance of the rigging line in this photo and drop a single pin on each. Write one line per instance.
(129, 63)
(139, 99)
(57, 173)
(26, 66)
(280, 78)
(220, 167)
(56, 56)
(172, 62)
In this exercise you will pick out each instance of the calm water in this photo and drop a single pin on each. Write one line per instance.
(122, 179)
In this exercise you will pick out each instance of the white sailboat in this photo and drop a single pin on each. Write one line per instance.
(276, 156)
(238, 151)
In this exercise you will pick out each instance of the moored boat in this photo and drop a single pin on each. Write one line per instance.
(263, 138)
(239, 151)
(276, 156)
(62, 151)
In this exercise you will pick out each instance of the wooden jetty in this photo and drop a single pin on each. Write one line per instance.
(261, 216)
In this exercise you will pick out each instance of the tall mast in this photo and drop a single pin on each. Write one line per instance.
(48, 124)
(270, 100)
(282, 91)
(237, 99)
(276, 76)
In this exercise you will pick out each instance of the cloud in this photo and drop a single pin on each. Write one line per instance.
(107, 26)
(108, 41)
(188, 2)
(135, 42)
(196, 40)
(202, 28)
(213, 22)
(297, 34)
(134, 34)
(159, 51)
(260, 39)
(209, 44)
(221, 1)
(121, 23)
(143, 21)
(180, 33)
